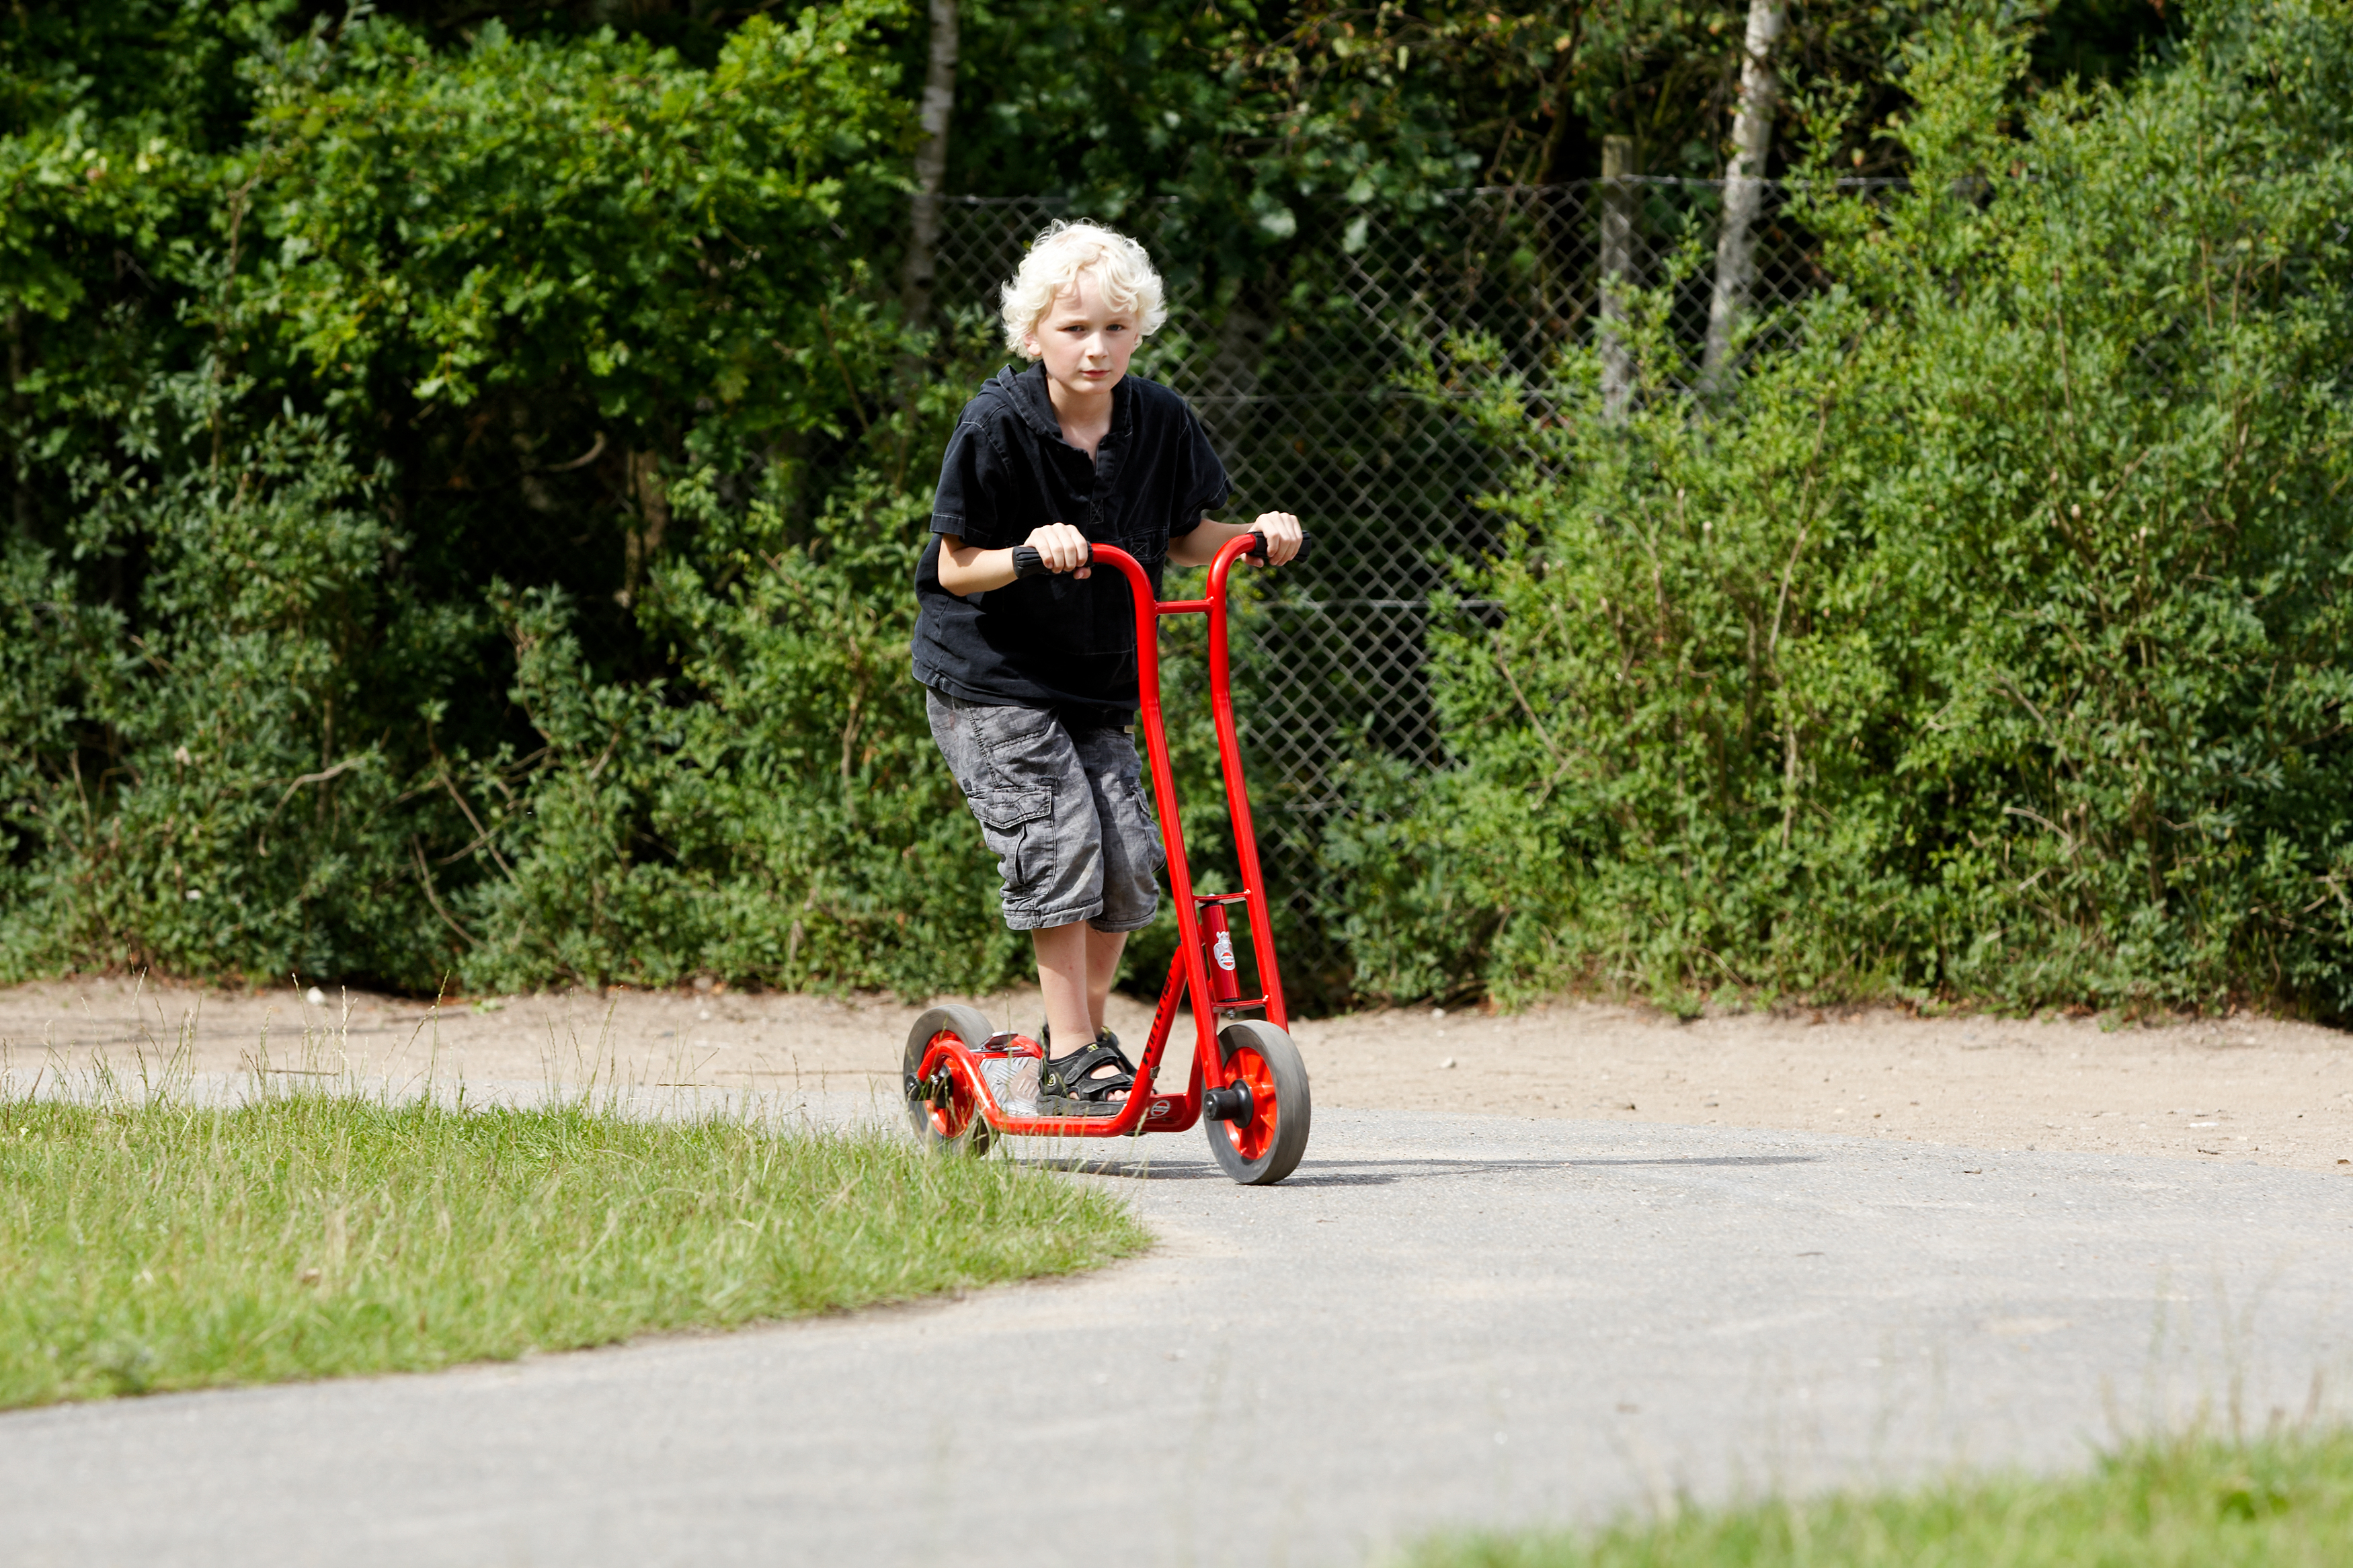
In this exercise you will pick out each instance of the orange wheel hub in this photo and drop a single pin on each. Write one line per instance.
(952, 1115)
(1251, 1138)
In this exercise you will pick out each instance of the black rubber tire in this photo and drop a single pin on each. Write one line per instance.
(974, 1136)
(1279, 1147)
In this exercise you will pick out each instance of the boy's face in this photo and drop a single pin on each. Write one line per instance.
(1085, 343)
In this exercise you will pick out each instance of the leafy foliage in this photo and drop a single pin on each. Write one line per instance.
(1993, 642)
(299, 386)
(467, 461)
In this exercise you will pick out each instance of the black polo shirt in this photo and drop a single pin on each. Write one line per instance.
(1051, 641)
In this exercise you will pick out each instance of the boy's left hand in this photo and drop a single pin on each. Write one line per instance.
(1281, 531)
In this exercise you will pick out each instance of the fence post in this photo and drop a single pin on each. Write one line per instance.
(1743, 189)
(1617, 264)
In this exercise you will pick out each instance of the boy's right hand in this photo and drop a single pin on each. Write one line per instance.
(1063, 548)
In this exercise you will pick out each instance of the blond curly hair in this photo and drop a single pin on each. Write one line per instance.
(1059, 255)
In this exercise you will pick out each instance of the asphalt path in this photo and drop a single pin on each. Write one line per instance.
(1439, 1320)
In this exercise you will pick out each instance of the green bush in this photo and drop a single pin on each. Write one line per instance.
(463, 487)
(790, 824)
(307, 373)
(1992, 641)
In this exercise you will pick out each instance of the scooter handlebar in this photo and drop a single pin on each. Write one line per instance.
(1258, 548)
(1027, 563)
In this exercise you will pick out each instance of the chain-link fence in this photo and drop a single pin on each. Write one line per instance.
(1305, 377)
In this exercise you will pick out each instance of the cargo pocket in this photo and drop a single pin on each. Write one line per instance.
(1148, 826)
(1018, 824)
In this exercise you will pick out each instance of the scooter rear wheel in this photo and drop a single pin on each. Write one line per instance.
(948, 1121)
(1265, 1146)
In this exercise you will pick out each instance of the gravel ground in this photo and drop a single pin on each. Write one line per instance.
(2241, 1088)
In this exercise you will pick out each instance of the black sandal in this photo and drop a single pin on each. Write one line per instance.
(1069, 1086)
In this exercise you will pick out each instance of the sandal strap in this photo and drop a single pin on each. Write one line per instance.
(1102, 1037)
(1074, 1076)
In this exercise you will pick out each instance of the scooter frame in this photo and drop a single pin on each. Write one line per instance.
(950, 1078)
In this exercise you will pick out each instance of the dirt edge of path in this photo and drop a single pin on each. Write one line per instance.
(2273, 1091)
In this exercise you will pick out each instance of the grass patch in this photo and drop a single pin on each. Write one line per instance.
(2191, 1503)
(164, 1247)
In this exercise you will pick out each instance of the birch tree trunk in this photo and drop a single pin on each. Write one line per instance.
(1616, 263)
(1744, 189)
(931, 165)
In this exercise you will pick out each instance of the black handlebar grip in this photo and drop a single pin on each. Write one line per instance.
(1027, 563)
(1258, 547)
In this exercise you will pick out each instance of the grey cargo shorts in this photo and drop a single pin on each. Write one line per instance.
(1063, 809)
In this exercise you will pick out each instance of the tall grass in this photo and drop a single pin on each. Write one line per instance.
(162, 1245)
(2285, 1502)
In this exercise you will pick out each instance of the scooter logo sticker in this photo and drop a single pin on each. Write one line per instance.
(1222, 950)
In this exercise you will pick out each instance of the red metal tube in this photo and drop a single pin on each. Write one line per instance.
(1230, 755)
(1224, 985)
(1189, 954)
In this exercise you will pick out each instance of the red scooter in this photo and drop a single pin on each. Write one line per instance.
(1249, 1087)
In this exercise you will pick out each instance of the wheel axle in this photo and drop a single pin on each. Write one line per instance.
(1231, 1103)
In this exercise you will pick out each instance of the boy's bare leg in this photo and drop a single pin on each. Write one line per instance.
(1104, 948)
(1076, 965)
(1064, 974)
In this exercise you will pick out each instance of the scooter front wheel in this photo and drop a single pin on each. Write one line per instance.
(1262, 1145)
(944, 1111)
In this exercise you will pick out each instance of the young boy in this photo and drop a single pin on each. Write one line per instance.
(1031, 683)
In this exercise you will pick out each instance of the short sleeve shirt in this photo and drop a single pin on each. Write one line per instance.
(1051, 641)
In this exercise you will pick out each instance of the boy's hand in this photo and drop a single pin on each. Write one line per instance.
(1281, 531)
(1064, 548)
